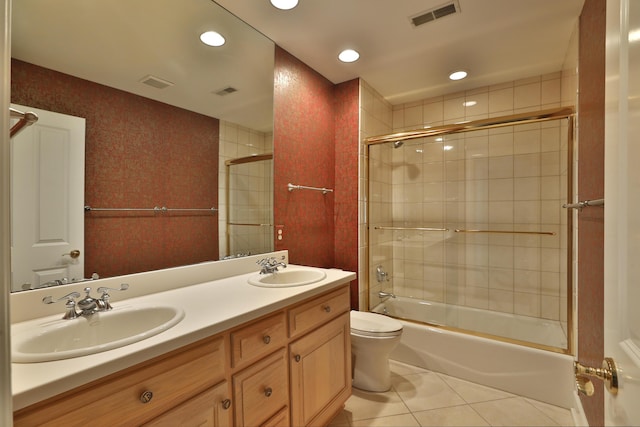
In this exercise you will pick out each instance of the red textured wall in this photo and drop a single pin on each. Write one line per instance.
(591, 186)
(303, 155)
(139, 153)
(347, 109)
(316, 144)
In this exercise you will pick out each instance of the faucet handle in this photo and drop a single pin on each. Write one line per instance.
(69, 297)
(104, 289)
(265, 261)
(103, 302)
(70, 305)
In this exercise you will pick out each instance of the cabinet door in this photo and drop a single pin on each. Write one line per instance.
(321, 373)
(212, 408)
(118, 399)
(261, 390)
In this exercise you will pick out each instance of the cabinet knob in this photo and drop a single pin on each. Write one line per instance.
(146, 396)
(266, 339)
(327, 308)
(297, 357)
(268, 391)
(226, 404)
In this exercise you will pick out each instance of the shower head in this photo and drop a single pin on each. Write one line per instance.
(398, 144)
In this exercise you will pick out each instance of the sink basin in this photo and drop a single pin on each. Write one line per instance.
(289, 277)
(38, 341)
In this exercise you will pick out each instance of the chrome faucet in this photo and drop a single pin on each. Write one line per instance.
(87, 305)
(382, 294)
(270, 265)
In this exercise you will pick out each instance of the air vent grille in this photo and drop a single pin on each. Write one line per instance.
(226, 91)
(437, 13)
(156, 82)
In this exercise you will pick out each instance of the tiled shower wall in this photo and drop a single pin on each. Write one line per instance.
(251, 191)
(503, 179)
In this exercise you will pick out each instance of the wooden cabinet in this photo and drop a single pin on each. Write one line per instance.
(258, 339)
(261, 390)
(290, 367)
(321, 373)
(137, 394)
(211, 408)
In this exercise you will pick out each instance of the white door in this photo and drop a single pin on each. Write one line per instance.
(622, 209)
(47, 200)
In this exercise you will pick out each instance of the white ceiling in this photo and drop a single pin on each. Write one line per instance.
(117, 42)
(496, 41)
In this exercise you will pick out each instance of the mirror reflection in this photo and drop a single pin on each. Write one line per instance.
(162, 113)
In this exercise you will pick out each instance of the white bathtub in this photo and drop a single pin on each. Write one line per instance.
(538, 374)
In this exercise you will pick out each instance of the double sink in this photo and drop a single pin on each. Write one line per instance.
(52, 338)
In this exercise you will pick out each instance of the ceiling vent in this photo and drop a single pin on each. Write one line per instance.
(437, 13)
(156, 82)
(226, 91)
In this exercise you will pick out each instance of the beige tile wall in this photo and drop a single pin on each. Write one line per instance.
(251, 187)
(508, 179)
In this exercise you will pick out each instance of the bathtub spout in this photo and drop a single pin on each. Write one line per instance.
(382, 294)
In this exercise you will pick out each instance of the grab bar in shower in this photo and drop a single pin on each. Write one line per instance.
(292, 187)
(250, 224)
(411, 228)
(544, 233)
(584, 204)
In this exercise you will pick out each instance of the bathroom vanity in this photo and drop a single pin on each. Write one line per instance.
(262, 357)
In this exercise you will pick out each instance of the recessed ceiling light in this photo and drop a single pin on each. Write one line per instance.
(469, 103)
(284, 4)
(211, 38)
(458, 75)
(348, 55)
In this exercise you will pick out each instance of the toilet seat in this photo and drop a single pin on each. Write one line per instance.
(374, 325)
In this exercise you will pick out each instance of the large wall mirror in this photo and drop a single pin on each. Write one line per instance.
(163, 113)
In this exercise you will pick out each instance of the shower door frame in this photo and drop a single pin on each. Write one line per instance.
(228, 223)
(560, 113)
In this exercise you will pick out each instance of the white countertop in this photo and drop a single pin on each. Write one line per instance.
(210, 307)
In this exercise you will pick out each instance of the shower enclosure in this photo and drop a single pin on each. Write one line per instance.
(467, 230)
(249, 205)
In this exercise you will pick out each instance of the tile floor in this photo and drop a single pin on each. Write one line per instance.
(423, 398)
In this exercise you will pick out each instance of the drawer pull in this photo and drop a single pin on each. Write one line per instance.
(146, 396)
(297, 357)
(268, 391)
(327, 308)
(266, 339)
(226, 404)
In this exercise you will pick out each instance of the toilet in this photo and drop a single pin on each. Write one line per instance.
(373, 337)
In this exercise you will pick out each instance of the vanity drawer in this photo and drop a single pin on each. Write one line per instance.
(258, 339)
(118, 399)
(318, 311)
(261, 390)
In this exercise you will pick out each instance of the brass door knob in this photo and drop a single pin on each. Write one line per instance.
(607, 373)
(73, 254)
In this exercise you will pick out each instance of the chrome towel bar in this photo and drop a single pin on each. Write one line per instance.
(292, 187)
(584, 204)
(457, 230)
(154, 209)
(25, 119)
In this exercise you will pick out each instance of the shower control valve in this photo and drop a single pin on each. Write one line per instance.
(381, 275)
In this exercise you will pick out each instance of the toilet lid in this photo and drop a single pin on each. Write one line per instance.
(373, 322)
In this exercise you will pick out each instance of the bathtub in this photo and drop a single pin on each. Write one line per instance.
(542, 375)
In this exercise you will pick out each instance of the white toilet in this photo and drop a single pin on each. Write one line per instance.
(373, 337)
